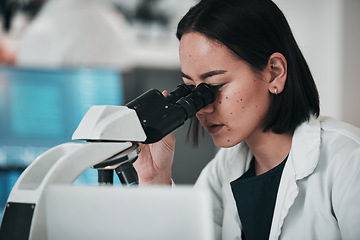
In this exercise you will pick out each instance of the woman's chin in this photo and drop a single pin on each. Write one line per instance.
(223, 143)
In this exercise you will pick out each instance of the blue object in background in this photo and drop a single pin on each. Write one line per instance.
(41, 108)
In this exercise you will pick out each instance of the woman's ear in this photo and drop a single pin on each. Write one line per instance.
(277, 66)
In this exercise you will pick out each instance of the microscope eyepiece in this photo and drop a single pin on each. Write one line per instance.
(199, 98)
(181, 91)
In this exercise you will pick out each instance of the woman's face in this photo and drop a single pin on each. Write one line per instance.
(242, 101)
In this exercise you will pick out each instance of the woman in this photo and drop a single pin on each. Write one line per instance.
(282, 172)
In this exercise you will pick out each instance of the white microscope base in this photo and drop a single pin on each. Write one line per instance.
(60, 165)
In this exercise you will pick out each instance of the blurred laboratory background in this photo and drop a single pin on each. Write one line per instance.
(59, 57)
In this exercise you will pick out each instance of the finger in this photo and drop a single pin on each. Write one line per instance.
(143, 149)
(169, 142)
(165, 93)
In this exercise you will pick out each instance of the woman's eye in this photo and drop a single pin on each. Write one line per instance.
(218, 86)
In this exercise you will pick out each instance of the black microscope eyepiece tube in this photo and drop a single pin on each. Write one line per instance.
(182, 90)
(199, 98)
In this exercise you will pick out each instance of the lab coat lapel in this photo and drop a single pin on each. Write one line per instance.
(302, 161)
(287, 193)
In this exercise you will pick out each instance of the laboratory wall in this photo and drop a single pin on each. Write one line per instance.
(351, 62)
(328, 34)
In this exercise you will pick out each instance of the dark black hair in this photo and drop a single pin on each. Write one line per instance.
(254, 30)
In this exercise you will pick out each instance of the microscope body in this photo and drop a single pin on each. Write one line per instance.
(111, 134)
(25, 212)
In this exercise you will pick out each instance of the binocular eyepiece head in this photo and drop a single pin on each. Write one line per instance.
(160, 116)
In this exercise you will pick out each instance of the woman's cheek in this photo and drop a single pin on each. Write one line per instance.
(233, 98)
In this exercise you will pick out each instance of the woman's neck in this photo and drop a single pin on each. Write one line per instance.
(269, 149)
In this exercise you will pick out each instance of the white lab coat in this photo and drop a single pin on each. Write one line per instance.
(319, 192)
(77, 33)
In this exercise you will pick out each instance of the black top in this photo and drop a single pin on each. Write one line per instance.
(255, 198)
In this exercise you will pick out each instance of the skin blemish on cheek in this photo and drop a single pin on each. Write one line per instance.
(226, 97)
(219, 102)
(228, 130)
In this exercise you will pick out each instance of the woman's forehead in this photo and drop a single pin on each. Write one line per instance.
(198, 45)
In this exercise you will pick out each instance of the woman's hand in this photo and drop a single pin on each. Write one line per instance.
(155, 160)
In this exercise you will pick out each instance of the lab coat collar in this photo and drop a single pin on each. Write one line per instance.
(305, 150)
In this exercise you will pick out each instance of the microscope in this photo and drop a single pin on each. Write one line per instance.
(109, 142)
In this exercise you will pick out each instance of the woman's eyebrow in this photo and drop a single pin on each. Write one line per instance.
(186, 76)
(211, 73)
(205, 75)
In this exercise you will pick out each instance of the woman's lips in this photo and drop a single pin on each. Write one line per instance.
(215, 128)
